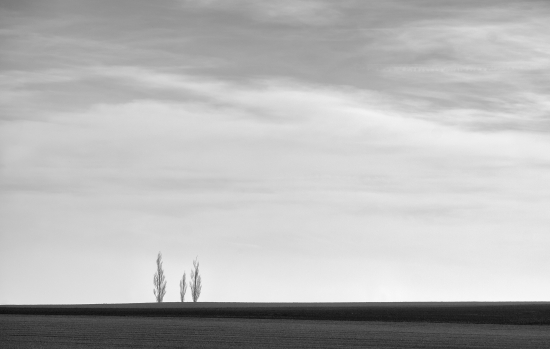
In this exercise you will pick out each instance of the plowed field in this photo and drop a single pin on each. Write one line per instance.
(56, 331)
(283, 325)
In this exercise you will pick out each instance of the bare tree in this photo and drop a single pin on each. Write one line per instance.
(159, 280)
(195, 283)
(183, 287)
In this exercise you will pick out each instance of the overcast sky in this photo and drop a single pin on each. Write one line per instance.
(304, 150)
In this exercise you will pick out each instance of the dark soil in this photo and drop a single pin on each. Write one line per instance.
(516, 313)
(74, 332)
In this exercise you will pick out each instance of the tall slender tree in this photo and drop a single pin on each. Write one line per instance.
(196, 281)
(159, 280)
(183, 287)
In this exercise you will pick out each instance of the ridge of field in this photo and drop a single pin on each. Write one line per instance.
(505, 313)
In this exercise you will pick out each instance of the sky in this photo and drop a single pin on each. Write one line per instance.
(302, 150)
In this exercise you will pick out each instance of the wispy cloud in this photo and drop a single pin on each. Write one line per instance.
(482, 71)
(310, 12)
(280, 116)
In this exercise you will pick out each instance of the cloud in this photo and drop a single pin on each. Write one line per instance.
(310, 12)
(480, 71)
(266, 134)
